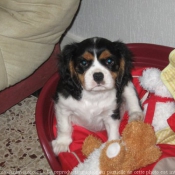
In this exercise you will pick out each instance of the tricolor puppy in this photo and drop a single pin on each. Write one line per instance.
(94, 90)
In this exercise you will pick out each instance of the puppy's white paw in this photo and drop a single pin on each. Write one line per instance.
(61, 145)
(136, 116)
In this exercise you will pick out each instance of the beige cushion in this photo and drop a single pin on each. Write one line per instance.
(28, 33)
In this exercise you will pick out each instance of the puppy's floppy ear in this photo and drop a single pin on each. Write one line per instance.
(65, 58)
(124, 74)
(125, 55)
(70, 84)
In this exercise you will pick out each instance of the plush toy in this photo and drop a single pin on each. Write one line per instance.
(167, 74)
(136, 148)
(159, 105)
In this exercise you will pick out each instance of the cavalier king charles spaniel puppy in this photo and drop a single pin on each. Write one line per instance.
(94, 90)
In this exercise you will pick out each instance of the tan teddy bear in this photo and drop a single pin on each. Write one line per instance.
(137, 148)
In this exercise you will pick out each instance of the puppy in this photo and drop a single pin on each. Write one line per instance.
(94, 90)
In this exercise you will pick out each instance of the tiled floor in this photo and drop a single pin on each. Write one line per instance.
(20, 150)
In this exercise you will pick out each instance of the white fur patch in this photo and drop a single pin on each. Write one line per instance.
(107, 83)
(91, 111)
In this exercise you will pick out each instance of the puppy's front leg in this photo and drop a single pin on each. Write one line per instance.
(132, 102)
(112, 128)
(64, 131)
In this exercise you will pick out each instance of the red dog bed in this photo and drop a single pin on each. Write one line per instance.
(145, 55)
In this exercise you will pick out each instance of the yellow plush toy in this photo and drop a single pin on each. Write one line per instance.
(137, 148)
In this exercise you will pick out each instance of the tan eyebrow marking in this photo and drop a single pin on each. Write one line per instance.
(88, 56)
(105, 54)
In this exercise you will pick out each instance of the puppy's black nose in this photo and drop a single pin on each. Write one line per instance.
(98, 77)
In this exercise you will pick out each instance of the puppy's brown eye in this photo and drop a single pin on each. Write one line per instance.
(83, 63)
(109, 61)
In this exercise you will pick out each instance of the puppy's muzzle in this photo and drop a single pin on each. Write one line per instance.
(98, 77)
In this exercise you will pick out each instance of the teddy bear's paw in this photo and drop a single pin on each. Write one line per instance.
(61, 145)
(113, 150)
(136, 116)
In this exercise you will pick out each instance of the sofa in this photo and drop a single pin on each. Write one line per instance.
(30, 31)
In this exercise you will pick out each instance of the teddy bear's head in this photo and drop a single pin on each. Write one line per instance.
(151, 81)
(137, 148)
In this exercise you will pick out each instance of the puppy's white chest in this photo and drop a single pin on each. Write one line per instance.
(91, 111)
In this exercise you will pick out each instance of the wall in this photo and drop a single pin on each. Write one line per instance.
(145, 21)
